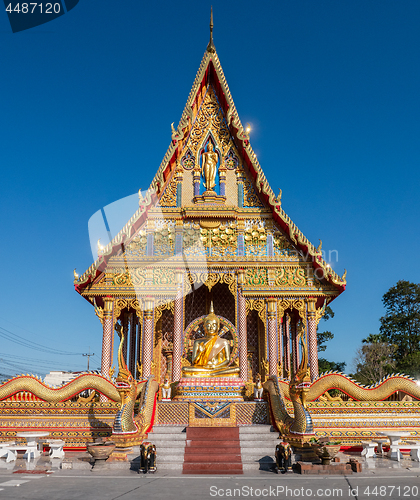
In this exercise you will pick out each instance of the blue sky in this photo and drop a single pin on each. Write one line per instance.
(330, 88)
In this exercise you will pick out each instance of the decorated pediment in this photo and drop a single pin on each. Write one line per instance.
(210, 168)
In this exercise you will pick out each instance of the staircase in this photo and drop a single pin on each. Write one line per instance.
(214, 450)
(258, 444)
(170, 446)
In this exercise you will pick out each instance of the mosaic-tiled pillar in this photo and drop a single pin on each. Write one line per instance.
(178, 327)
(280, 340)
(272, 336)
(241, 239)
(312, 340)
(242, 330)
(240, 184)
(107, 336)
(108, 327)
(139, 353)
(147, 336)
(126, 332)
(179, 230)
(150, 237)
(222, 181)
(133, 338)
(286, 345)
(295, 345)
(178, 177)
(196, 181)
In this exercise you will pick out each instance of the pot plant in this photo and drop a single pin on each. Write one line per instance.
(100, 450)
(326, 450)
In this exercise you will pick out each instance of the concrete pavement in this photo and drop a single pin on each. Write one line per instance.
(380, 477)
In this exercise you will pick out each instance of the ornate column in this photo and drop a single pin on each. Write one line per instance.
(272, 336)
(295, 345)
(139, 348)
(222, 180)
(178, 177)
(179, 234)
(150, 231)
(280, 344)
(108, 326)
(286, 345)
(241, 240)
(132, 358)
(178, 327)
(147, 336)
(312, 338)
(196, 181)
(240, 183)
(125, 326)
(242, 332)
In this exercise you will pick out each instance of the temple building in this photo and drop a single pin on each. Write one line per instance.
(210, 230)
(213, 296)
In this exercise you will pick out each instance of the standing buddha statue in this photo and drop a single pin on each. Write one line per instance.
(209, 167)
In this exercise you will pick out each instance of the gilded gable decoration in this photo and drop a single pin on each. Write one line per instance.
(231, 160)
(188, 160)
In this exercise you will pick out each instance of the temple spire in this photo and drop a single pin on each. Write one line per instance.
(210, 47)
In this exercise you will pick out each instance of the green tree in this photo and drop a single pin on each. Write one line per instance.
(325, 365)
(374, 360)
(401, 325)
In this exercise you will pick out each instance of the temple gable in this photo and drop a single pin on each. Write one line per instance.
(232, 180)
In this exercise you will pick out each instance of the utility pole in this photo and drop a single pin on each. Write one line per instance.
(88, 357)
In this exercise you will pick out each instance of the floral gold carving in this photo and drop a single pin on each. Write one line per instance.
(250, 196)
(169, 196)
(290, 276)
(256, 276)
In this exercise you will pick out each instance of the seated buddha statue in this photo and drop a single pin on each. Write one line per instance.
(211, 354)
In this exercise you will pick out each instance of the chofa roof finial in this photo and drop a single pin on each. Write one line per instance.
(210, 47)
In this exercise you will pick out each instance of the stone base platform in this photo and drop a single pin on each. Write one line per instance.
(324, 470)
(210, 388)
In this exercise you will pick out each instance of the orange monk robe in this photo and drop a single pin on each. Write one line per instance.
(203, 358)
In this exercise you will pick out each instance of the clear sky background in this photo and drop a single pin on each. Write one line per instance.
(330, 87)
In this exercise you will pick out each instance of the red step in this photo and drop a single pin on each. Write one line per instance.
(213, 467)
(213, 433)
(200, 458)
(192, 443)
(212, 450)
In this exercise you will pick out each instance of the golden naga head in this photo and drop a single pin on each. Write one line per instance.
(301, 381)
(211, 322)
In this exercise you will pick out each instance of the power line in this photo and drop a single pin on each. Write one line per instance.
(39, 361)
(17, 339)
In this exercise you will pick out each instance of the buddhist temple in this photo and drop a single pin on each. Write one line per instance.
(210, 229)
(213, 297)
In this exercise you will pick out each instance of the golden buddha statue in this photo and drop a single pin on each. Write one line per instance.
(209, 167)
(211, 354)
